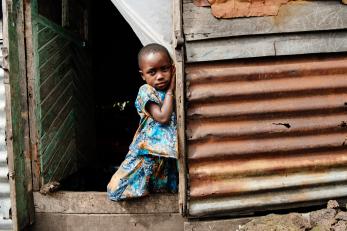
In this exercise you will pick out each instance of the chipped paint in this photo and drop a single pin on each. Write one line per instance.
(244, 8)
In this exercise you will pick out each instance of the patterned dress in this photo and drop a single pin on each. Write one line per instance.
(150, 165)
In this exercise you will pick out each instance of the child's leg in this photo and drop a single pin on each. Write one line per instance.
(131, 179)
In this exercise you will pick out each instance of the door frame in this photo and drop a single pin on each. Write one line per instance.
(17, 116)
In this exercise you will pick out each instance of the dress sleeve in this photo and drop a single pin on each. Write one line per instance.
(146, 94)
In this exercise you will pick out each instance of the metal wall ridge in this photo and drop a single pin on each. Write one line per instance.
(257, 129)
(254, 70)
(265, 164)
(269, 183)
(267, 201)
(200, 130)
(266, 106)
(280, 87)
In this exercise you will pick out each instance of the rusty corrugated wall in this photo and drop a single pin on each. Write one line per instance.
(267, 133)
(5, 201)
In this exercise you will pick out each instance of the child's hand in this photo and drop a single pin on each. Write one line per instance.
(172, 83)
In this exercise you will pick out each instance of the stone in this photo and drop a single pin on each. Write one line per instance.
(289, 222)
(340, 226)
(316, 217)
(332, 204)
(341, 216)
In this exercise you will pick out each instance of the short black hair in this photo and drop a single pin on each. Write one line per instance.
(152, 48)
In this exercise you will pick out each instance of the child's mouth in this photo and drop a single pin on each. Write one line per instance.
(161, 85)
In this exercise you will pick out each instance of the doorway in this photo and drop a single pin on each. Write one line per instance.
(116, 80)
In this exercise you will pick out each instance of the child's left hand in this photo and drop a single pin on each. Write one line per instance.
(172, 86)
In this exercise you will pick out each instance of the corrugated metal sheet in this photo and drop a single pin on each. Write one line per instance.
(5, 202)
(266, 134)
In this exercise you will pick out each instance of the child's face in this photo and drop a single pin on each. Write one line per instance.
(156, 69)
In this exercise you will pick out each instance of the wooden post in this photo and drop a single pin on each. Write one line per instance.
(33, 89)
(180, 102)
(65, 13)
(17, 127)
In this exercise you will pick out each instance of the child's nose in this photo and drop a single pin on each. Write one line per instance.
(160, 75)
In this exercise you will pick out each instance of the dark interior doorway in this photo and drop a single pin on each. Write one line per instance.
(114, 47)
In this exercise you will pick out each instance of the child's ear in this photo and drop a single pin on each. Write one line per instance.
(141, 73)
(173, 68)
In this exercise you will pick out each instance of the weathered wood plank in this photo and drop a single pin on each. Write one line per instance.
(60, 133)
(64, 100)
(70, 167)
(44, 36)
(180, 104)
(259, 46)
(215, 225)
(50, 48)
(40, 27)
(64, 117)
(181, 131)
(47, 102)
(296, 16)
(59, 30)
(61, 159)
(56, 76)
(52, 156)
(63, 88)
(17, 124)
(108, 222)
(33, 90)
(51, 62)
(68, 202)
(325, 43)
(68, 157)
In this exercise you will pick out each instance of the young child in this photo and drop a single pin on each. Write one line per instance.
(150, 165)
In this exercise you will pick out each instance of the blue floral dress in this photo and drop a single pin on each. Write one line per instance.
(150, 165)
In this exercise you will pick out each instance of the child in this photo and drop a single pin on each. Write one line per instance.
(150, 164)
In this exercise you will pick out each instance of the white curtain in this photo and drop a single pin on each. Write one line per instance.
(151, 20)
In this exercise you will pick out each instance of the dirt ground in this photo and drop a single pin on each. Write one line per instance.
(333, 218)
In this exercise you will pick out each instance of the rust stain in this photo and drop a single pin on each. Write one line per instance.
(256, 184)
(245, 8)
(276, 124)
(249, 8)
(258, 166)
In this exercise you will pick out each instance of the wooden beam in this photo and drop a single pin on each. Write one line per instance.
(59, 30)
(31, 31)
(180, 103)
(17, 125)
(296, 16)
(261, 46)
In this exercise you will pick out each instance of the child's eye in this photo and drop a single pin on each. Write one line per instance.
(165, 69)
(151, 73)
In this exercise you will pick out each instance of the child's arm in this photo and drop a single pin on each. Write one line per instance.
(163, 114)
